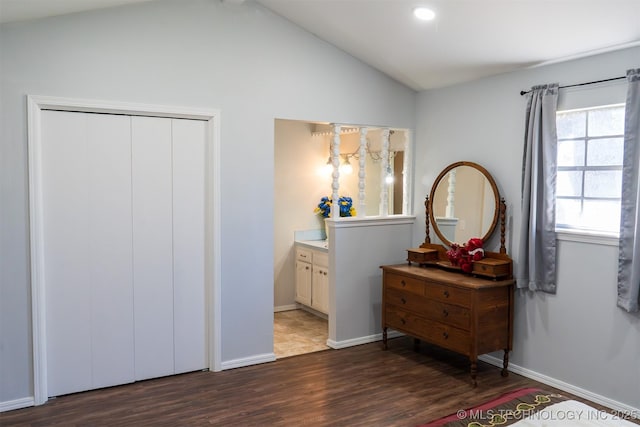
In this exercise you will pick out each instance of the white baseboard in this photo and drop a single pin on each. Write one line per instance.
(288, 307)
(619, 407)
(248, 361)
(361, 340)
(10, 405)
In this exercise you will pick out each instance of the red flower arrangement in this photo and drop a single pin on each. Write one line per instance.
(464, 255)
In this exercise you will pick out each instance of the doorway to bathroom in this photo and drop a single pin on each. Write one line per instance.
(306, 157)
(298, 332)
(298, 181)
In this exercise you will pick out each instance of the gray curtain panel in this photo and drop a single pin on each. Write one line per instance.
(629, 255)
(536, 260)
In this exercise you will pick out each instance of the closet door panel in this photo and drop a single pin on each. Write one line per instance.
(65, 252)
(124, 248)
(110, 240)
(152, 246)
(188, 244)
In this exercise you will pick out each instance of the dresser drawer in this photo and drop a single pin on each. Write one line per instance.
(449, 337)
(408, 284)
(406, 300)
(434, 332)
(448, 314)
(448, 294)
(442, 312)
(404, 321)
(492, 267)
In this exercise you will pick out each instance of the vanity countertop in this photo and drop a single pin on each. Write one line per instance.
(320, 245)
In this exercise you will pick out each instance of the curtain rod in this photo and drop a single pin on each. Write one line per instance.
(524, 92)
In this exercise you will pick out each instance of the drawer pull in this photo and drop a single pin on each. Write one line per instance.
(404, 322)
(446, 294)
(402, 300)
(445, 313)
(445, 335)
(403, 283)
(324, 272)
(306, 268)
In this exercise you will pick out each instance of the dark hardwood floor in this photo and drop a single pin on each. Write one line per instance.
(358, 386)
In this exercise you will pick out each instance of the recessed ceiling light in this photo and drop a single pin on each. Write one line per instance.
(424, 13)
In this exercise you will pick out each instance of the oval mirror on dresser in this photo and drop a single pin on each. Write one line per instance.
(464, 203)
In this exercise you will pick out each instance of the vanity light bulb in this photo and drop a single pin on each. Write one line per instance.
(389, 178)
(327, 168)
(346, 169)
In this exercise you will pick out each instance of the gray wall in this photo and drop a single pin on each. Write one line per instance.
(243, 60)
(577, 337)
(358, 251)
(256, 67)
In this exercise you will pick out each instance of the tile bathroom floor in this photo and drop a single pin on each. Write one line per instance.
(298, 332)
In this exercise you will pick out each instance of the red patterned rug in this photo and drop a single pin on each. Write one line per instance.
(504, 410)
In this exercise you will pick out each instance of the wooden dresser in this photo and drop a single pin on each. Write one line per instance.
(465, 314)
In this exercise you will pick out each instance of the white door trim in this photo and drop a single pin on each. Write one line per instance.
(36, 104)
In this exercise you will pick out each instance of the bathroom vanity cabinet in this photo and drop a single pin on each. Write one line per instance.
(312, 278)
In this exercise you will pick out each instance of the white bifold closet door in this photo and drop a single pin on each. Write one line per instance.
(168, 245)
(123, 243)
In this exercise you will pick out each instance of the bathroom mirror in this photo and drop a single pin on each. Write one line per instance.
(464, 203)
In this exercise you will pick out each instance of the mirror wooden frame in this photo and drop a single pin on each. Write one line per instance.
(429, 202)
(494, 265)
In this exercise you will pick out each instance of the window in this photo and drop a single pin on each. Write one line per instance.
(589, 180)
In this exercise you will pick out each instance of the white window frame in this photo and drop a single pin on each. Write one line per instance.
(577, 234)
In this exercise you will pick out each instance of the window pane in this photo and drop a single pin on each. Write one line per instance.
(571, 125)
(571, 153)
(602, 183)
(589, 175)
(567, 211)
(605, 152)
(569, 183)
(601, 215)
(606, 121)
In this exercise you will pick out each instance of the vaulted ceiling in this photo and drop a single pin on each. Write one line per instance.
(467, 40)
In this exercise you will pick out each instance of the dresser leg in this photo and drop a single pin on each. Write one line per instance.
(474, 373)
(384, 338)
(416, 344)
(505, 363)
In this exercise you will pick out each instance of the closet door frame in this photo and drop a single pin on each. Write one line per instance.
(35, 105)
